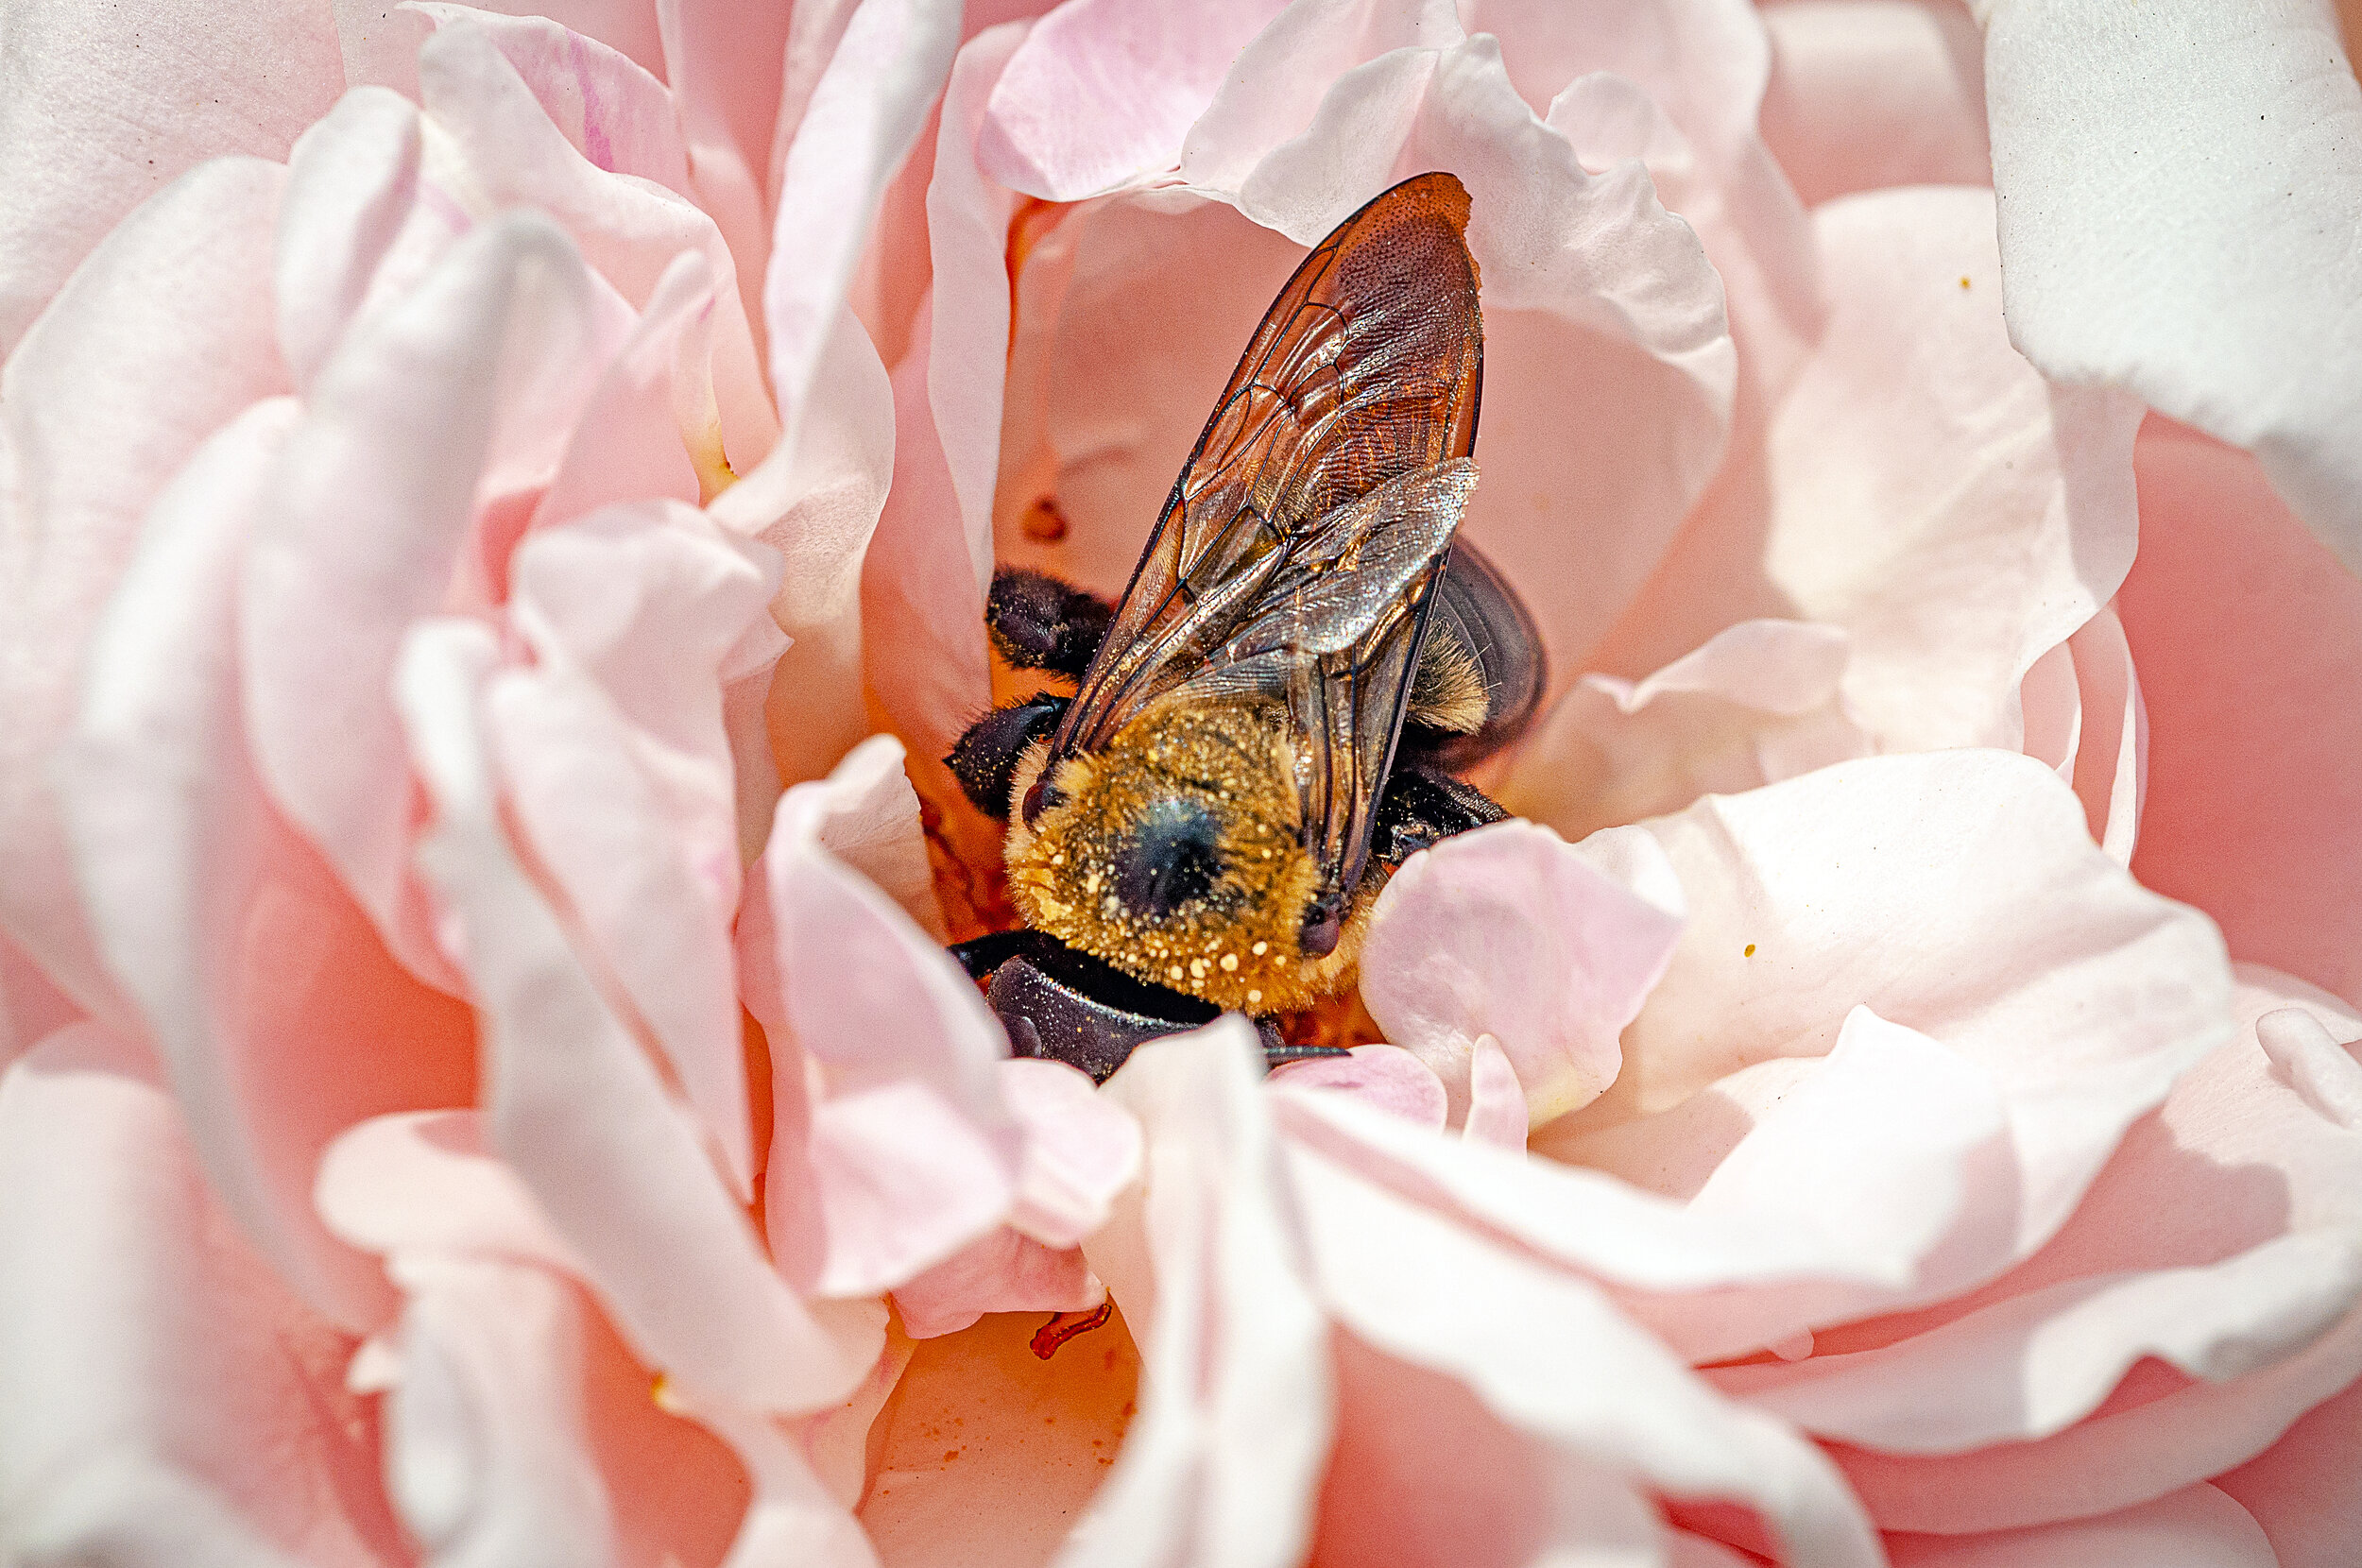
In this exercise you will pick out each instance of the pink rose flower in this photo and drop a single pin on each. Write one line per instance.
(498, 510)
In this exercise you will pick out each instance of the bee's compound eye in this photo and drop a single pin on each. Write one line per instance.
(1324, 923)
(1040, 798)
(1171, 859)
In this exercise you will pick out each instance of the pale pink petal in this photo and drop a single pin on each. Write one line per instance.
(102, 108)
(268, 999)
(2220, 1237)
(986, 1455)
(2110, 1459)
(922, 595)
(866, 814)
(1867, 93)
(1421, 1289)
(1497, 1102)
(363, 218)
(1106, 90)
(2035, 1363)
(161, 338)
(1273, 88)
(488, 1456)
(792, 1522)
(1388, 1077)
(381, 43)
(611, 746)
(614, 113)
(2195, 1527)
(490, 360)
(170, 1401)
(1699, 67)
(425, 1183)
(522, 1430)
(1760, 702)
(892, 1146)
(866, 110)
(576, 1107)
(2244, 324)
(1238, 1407)
(30, 1006)
(2253, 681)
(1547, 946)
(2111, 774)
(627, 228)
(1000, 1272)
(1080, 1151)
(2301, 1489)
(1960, 895)
(725, 64)
(934, 556)
(1958, 522)
(1500, 1500)
(817, 504)
(632, 442)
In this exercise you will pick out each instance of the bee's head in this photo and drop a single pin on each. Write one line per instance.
(1176, 855)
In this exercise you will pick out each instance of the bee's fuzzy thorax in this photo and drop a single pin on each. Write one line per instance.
(1236, 946)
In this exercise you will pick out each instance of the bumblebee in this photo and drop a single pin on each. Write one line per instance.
(1268, 723)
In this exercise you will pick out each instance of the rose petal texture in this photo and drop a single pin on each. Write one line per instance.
(168, 1399)
(1546, 949)
(577, 1107)
(907, 1152)
(101, 109)
(2249, 640)
(1296, 1354)
(2260, 156)
(521, 1429)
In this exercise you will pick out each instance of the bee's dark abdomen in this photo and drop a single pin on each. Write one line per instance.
(1038, 623)
(984, 760)
(1066, 1006)
(1476, 609)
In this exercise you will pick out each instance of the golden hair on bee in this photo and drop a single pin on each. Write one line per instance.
(1176, 855)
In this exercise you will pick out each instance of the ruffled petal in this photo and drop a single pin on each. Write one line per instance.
(576, 1106)
(1510, 931)
(2240, 135)
(2252, 682)
(2014, 921)
(265, 993)
(893, 1146)
(1867, 93)
(170, 1400)
(1239, 1399)
(1958, 523)
(2203, 1296)
(2197, 1527)
(468, 383)
(1760, 702)
(160, 339)
(1388, 1077)
(103, 108)
(613, 746)
(1106, 90)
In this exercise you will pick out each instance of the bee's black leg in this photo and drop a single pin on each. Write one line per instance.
(1038, 623)
(1422, 806)
(985, 760)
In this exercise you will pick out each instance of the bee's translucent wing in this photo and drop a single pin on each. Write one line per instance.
(1300, 551)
